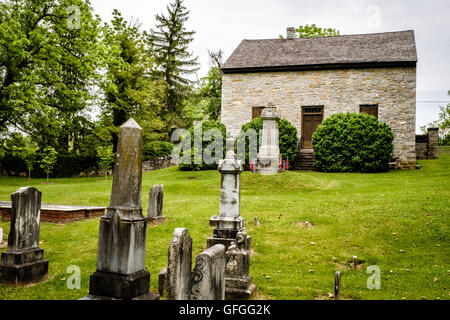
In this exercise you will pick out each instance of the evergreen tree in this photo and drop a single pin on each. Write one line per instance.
(170, 43)
(131, 89)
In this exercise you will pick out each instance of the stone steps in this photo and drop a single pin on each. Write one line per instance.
(305, 160)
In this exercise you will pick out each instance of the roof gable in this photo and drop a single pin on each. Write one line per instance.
(376, 49)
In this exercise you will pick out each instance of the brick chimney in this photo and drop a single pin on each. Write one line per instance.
(290, 33)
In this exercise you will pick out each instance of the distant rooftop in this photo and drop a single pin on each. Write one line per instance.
(345, 51)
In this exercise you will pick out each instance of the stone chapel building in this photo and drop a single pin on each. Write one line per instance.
(309, 79)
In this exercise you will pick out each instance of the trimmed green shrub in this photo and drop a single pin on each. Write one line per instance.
(288, 140)
(157, 149)
(352, 142)
(207, 145)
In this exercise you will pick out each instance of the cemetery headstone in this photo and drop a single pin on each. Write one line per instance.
(1, 236)
(205, 282)
(208, 276)
(155, 204)
(179, 266)
(337, 285)
(23, 260)
(238, 281)
(229, 225)
(121, 247)
(268, 158)
(355, 262)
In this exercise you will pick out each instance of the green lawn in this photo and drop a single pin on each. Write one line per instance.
(397, 220)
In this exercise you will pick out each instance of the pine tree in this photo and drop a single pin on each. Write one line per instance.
(129, 86)
(170, 43)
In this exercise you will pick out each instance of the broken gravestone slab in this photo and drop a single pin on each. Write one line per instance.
(205, 282)
(238, 282)
(23, 260)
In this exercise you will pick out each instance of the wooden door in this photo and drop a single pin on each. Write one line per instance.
(311, 119)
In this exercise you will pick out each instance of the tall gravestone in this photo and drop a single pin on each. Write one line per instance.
(121, 247)
(229, 226)
(205, 282)
(268, 157)
(23, 260)
(155, 204)
(1, 236)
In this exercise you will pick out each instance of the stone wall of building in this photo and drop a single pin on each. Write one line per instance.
(343, 90)
(427, 144)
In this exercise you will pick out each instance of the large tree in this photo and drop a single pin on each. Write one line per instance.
(170, 41)
(48, 58)
(130, 86)
(211, 85)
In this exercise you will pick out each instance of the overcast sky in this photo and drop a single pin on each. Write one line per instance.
(223, 24)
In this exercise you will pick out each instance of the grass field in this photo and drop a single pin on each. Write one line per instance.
(397, 220)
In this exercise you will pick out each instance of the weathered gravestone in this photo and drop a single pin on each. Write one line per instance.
(23, 260)
(229, 225)
(238, 281)
(208, 277)
(1, 237)
(267, 161)
(155, 204)
(205, 282)
(178, 272)
(121, 247)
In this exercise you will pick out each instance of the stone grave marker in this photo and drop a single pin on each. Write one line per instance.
(267, 161)
(337, 285)
(155, 204)
(23, 260)
(121, 273)
(208, 277)
(229, 225)
(205, 282)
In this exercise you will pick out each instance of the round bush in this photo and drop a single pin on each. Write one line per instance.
(207, 143)
(352, 142)
(157, 149)
(288, 140)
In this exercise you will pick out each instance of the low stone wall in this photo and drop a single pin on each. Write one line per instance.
(158, 163)
(427, 144)
(57, 214)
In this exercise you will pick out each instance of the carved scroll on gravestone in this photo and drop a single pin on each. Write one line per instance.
(208, 277)
(23, 260)
(121, 247)
(229, 225)
(155, 204)
(205, 282)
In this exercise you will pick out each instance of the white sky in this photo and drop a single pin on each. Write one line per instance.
(223, 24)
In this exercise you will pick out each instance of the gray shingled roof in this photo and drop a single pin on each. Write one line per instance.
(376, 49)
